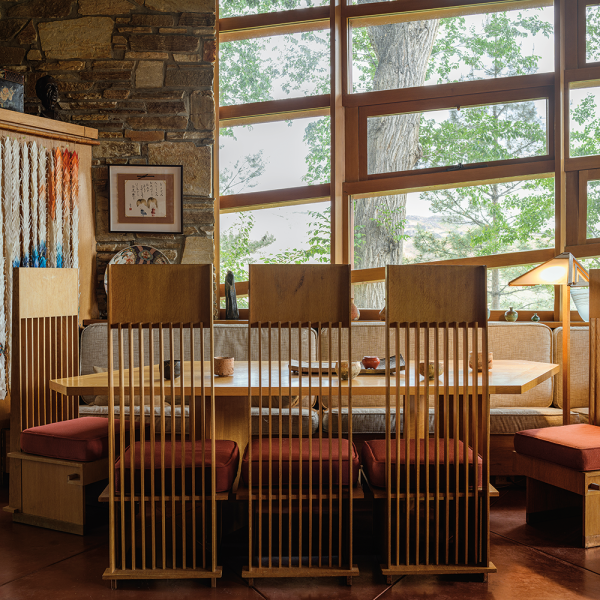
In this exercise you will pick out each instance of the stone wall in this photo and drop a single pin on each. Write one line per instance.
(141, 72)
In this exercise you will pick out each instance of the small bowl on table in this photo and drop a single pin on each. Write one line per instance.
(224, 366)
(176, 369)
(480, 361)
(346, 371)
(370, 362)
(427, 369)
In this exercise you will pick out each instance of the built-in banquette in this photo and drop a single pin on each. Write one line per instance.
(539, 407)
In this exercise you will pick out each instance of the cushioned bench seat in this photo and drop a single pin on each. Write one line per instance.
(373, 460)
(295, 456)
(225, 465)
(576, 447)
(81, 440)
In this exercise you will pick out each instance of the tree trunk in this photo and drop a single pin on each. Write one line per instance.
(402, 51)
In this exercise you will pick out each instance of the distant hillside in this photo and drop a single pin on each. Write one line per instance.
(434, 223)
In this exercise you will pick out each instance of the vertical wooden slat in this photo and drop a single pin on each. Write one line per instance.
(330, 447)
(320, 432)
(411, 372)
(417, 439)
(280, 440)
(163, 516)
(388, 429)
(112, 548)
(465, 439)
(260, 446)
(455, 435)
(436, 434)
(203, 433)
(173, 448)
(213, 435)
(300, 461)
(122, 446)
(132, 452)
(142, 394)
(193, 440)
(249, 421)
(289, 441)
(339, 433)
(183, 445)
(310, 452)
(446, 440)
(426, 471)
(153, 445)
(474, 418)
(270, 429)
(485, 436)
(350, 460)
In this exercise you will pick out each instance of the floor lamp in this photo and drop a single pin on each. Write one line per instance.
(566, 271)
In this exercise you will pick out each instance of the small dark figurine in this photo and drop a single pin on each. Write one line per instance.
(46, 89)
(176, 370)
(231, 309)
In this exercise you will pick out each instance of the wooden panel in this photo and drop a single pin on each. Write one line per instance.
(39, 125)
(45, 292)
(160, 293)
(414, 293)
(285, 197)
(300, 293)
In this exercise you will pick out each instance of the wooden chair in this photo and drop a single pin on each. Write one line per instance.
(435, 504)
(300, 489)
(163, 489)
(51, 458)
(561, 463)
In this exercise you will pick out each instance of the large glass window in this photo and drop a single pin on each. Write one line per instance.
(394, 55)
(453, 223)
(471, 134)
(236, 8)
(275, 67)
(592, 33)
(584, 125)
(275, 155)
(593, 209)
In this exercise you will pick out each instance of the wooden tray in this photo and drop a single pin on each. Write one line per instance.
(314, 367)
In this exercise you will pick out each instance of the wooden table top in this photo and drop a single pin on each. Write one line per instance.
(506, 377)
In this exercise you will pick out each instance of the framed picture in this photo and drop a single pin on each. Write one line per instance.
(145, 198)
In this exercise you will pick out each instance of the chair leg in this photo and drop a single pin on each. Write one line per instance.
(591, 519)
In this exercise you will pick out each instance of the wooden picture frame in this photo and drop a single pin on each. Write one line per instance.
(145, 198)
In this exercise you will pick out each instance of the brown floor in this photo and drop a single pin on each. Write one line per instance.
(533, 563)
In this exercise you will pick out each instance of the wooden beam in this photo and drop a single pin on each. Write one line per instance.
(450, 179)
(275, 23)
(449, 90)
(589, 250)
(274, 110)
(308, 194)
(494, 261)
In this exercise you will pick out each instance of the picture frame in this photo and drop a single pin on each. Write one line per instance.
(145, 199)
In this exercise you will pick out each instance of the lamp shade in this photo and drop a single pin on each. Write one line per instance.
(563, 269)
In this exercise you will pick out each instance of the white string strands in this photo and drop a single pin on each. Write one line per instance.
(66, 210)
(57, 229)
(33, 155)
(75, 208)
(25, 175)
(3, 386)
(51, 185)
(42, 161)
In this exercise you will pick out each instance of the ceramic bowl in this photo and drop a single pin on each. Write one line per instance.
(341, 368)
(480, 360)
(370, 362)
(427, 369)
(224, 366)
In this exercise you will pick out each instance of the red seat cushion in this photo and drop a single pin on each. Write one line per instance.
(373, 459)
(226, 466)
(82, 440)
(285, 466)
(576, 447)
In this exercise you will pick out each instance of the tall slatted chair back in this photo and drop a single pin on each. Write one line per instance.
(45, 346)
(437, 500)
(163, 491)
(594, 317)
(299, 482)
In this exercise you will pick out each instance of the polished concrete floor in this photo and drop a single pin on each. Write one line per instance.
(533, 563)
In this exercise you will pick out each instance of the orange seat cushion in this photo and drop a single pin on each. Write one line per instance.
(82, 440)
(225, 464)
(373, 459)
(298, 464)
(576, 447)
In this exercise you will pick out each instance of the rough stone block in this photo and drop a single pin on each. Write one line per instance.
(172, 30)
(177, 43)
(106, 75)
(197, 20)
(158, 123)
(119, 40)
(196, 161)
(178, 6)
(34, 55)
(188, 58)
(189, 76)
(62, 65)
(110, 134)
(13, 56)
(145, 136)
(149, 74)
(88, 37)
(209, 53)
(28, 34)
(110, 149)
(104, 7)
(10, 27)
(162, 95)
(198, 251)
(121, 65)
(202, 111)
(42, 9)
(116, 93)
(166, 108)
(92, 105)
(152, 20)
(147, 55)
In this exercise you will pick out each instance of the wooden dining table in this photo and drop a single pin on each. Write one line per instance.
(231, 393)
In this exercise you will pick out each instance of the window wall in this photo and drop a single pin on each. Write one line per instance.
(391, 133)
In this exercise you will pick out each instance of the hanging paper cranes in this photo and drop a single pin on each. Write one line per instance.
(39, 220)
